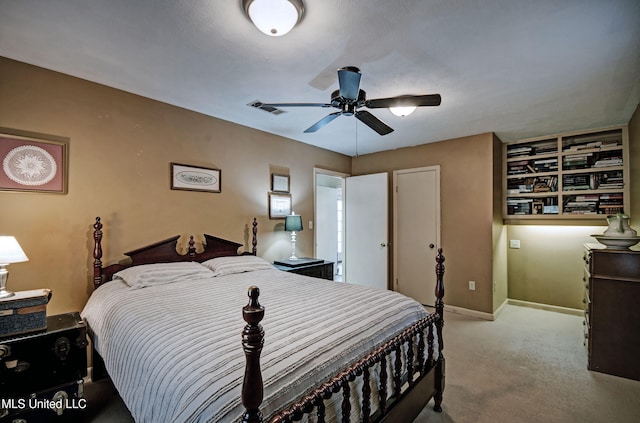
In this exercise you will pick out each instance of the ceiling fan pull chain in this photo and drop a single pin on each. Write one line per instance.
(356, 121)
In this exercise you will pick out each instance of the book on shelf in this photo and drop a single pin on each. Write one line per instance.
(613, 161)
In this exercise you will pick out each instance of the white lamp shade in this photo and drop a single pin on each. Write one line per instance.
(402, 111)
(10, 251)
(274, 17)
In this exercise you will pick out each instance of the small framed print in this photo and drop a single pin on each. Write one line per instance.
(279, 183)
(195, 178)
(33, 164)
(279, 205)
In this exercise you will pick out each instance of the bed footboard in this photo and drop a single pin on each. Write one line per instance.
(414, 380)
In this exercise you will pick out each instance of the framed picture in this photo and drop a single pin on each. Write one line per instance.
(33, 164)
(279, 183)
(279, 205)
(195, 178)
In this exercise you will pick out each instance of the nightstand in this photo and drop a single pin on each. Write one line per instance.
(315, 268)
(41, 371)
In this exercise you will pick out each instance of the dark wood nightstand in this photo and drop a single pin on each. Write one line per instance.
(307, 266)
(41, 370)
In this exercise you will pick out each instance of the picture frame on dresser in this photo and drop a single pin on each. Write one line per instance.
(195, 178)
(33, 162)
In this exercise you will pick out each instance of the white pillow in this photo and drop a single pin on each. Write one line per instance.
(236, 264)
(161, 273)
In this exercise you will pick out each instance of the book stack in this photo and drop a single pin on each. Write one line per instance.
(525, 150)
(519, 205)
(545, 165)
(610, 203)
(608, 161)
(576, 182)
(610, 180)
(546, 147)
(519, 168)
(576, 161)
(581, 204)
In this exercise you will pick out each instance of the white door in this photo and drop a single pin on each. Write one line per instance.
(366, 228)
(416, 229)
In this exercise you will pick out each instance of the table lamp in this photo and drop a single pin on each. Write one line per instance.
(293, 223)
(10, 252)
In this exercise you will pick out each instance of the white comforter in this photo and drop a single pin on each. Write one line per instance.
(174, 351)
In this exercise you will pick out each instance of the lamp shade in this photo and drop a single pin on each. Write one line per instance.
(274, 17)
(402, 110)
(293, 222)
(10, 251)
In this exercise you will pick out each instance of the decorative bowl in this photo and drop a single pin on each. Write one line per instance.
(617, 242)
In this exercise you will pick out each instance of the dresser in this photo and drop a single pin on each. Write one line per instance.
(612, 310)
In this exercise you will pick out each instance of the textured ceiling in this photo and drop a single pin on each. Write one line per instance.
(519, 68)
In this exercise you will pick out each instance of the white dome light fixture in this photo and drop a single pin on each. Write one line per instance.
(274, 17)
(402, 110)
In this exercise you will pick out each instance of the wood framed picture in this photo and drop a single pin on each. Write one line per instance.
(279, 205)
(31, 164)
(279, 183)
(195, 178)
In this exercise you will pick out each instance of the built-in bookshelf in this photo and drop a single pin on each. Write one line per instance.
(577, 175)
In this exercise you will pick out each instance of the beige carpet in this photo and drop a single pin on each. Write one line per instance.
(527, 366)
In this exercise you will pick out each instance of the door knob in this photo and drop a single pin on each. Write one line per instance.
(382, 244)
(431, 246)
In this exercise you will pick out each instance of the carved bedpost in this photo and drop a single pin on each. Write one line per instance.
(254, 241)
(252, 341)
(440, 373)
(97, 253)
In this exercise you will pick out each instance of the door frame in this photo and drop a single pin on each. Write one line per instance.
(320, 171)
(435, 168)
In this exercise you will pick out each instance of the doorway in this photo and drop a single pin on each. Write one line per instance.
(329, 219)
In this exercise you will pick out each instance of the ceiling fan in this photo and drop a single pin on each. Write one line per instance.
(350, 98)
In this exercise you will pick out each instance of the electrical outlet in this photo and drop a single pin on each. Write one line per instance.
(472, 285)
(514, 243)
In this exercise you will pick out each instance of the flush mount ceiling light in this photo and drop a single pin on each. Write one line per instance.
(274, 17)
(402, 111)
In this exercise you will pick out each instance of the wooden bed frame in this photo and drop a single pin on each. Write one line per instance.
(415, 380)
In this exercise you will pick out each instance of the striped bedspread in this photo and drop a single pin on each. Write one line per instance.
(174, 351)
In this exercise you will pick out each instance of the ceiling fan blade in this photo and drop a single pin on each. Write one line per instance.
(297, 105)
(349, 81)
(404, 100)
(373, 122)
(322, 122)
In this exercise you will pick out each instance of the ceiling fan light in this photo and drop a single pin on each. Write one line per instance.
(402, 110)
(274, 17)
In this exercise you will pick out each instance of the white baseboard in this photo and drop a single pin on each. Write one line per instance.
(471, 313)
(548, 307)
(493, 316)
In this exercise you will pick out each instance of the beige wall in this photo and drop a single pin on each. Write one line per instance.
(466, 185)
(121, 146)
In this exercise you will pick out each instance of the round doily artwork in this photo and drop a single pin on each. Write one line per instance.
(29, 165)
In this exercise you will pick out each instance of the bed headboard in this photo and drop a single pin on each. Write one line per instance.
(165, 252)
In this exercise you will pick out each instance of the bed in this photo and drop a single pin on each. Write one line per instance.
(166, 328)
